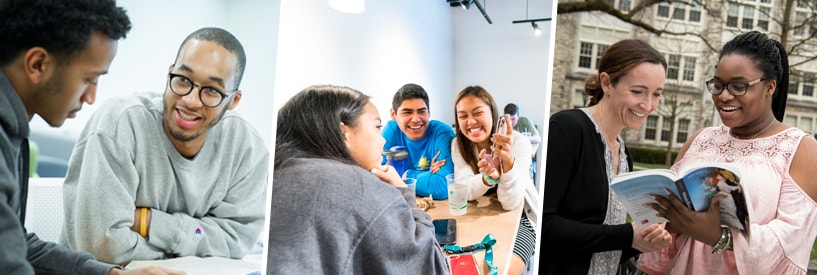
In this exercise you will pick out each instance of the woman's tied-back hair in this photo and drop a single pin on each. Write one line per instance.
(309, 124)
(468, 149)
(617, 61)
(770, 57)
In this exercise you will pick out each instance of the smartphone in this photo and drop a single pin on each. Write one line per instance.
(446, 231)
(463, 264)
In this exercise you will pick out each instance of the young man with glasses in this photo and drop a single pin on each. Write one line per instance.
(158, 176)
(51, 58)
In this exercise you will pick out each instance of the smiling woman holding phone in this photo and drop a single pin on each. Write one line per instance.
(495, 160)
(334, 209)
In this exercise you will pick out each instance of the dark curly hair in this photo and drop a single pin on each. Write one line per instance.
(222, 38)
(61, 27)
(770, 57)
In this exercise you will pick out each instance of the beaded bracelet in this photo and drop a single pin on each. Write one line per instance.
(491, 181)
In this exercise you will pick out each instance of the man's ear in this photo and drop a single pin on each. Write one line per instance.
(39, 65)
(393, 114)
(236, 99)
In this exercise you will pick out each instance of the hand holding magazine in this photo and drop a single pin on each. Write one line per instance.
(695, 187)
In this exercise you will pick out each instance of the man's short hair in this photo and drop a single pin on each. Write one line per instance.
(409, 91)
(62, 28)
(225, 39)
(511, 109)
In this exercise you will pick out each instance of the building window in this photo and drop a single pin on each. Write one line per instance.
(689, 68)
(681, 67)
(663, 10)
(651, 127)
(749, 15)
(579, 99)
(799, 20)
(666, 124)
(585, 55)
(590, 54)
(732, 14)
(806, 124)
(679, 12)
(683, 130)
(808, 89)
(673, 65)
(624, 5)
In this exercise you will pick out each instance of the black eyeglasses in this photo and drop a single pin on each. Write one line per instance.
(735, 88)
(182, 86)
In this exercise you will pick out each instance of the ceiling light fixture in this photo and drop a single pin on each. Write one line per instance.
(536, 30)
(466, 4)
(348, 6)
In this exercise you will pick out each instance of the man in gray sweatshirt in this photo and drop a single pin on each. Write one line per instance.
(156, 176)
(52, 54)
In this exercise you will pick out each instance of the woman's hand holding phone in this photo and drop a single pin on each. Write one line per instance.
(502, 144)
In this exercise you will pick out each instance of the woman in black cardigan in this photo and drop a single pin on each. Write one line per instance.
(584, 228)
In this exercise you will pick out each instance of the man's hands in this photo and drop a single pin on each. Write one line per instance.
(436, 165)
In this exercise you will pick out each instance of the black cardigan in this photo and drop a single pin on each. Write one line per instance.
(575, 200)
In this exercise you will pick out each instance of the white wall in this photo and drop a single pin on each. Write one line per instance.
(505, 58)
(158, 29)
(375, 52)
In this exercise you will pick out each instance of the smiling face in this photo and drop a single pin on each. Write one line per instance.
(186, 119)
(747, 109)
(412, 118)
(636, 94)
(74, 82)
(475, 120)
(364, 140)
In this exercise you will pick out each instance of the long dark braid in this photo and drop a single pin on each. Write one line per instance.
(770, 57)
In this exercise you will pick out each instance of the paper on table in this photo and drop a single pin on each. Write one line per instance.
(193, 265)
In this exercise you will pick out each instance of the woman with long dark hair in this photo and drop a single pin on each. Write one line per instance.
(334, 209)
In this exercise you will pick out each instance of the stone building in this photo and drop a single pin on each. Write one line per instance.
(686, 105)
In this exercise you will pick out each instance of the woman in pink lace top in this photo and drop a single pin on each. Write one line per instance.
(749, 90)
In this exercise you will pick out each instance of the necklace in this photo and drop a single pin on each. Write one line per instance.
(730, 157)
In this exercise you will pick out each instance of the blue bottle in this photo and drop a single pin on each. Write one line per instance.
(397, 157)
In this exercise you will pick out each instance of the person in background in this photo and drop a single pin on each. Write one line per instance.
(523, 125)
(507, 175)
(334, 208)
(584, 227)
(749, 91)
(428, 142)
(51, 58)
(155, 176)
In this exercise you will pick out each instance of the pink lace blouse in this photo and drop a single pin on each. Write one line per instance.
(784, 222)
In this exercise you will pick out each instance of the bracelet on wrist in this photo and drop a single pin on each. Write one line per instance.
(491, 181)
(724, 242)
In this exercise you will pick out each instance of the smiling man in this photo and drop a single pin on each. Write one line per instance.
(428, 142)
(156, 176)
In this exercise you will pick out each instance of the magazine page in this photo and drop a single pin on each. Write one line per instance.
(705, 181)
(634, 190)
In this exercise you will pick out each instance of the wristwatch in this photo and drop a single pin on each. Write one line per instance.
(724, 243)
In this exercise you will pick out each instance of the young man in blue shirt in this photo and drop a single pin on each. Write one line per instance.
(428, 142)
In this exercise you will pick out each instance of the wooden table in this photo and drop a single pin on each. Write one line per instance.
(484, 215)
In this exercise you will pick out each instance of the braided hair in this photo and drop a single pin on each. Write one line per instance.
(770, 57)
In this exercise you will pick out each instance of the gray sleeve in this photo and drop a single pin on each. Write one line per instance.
(50, 258)
(229, 229)
(99, 202)
(409, 231)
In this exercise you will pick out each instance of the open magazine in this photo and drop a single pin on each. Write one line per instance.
(695, 187)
